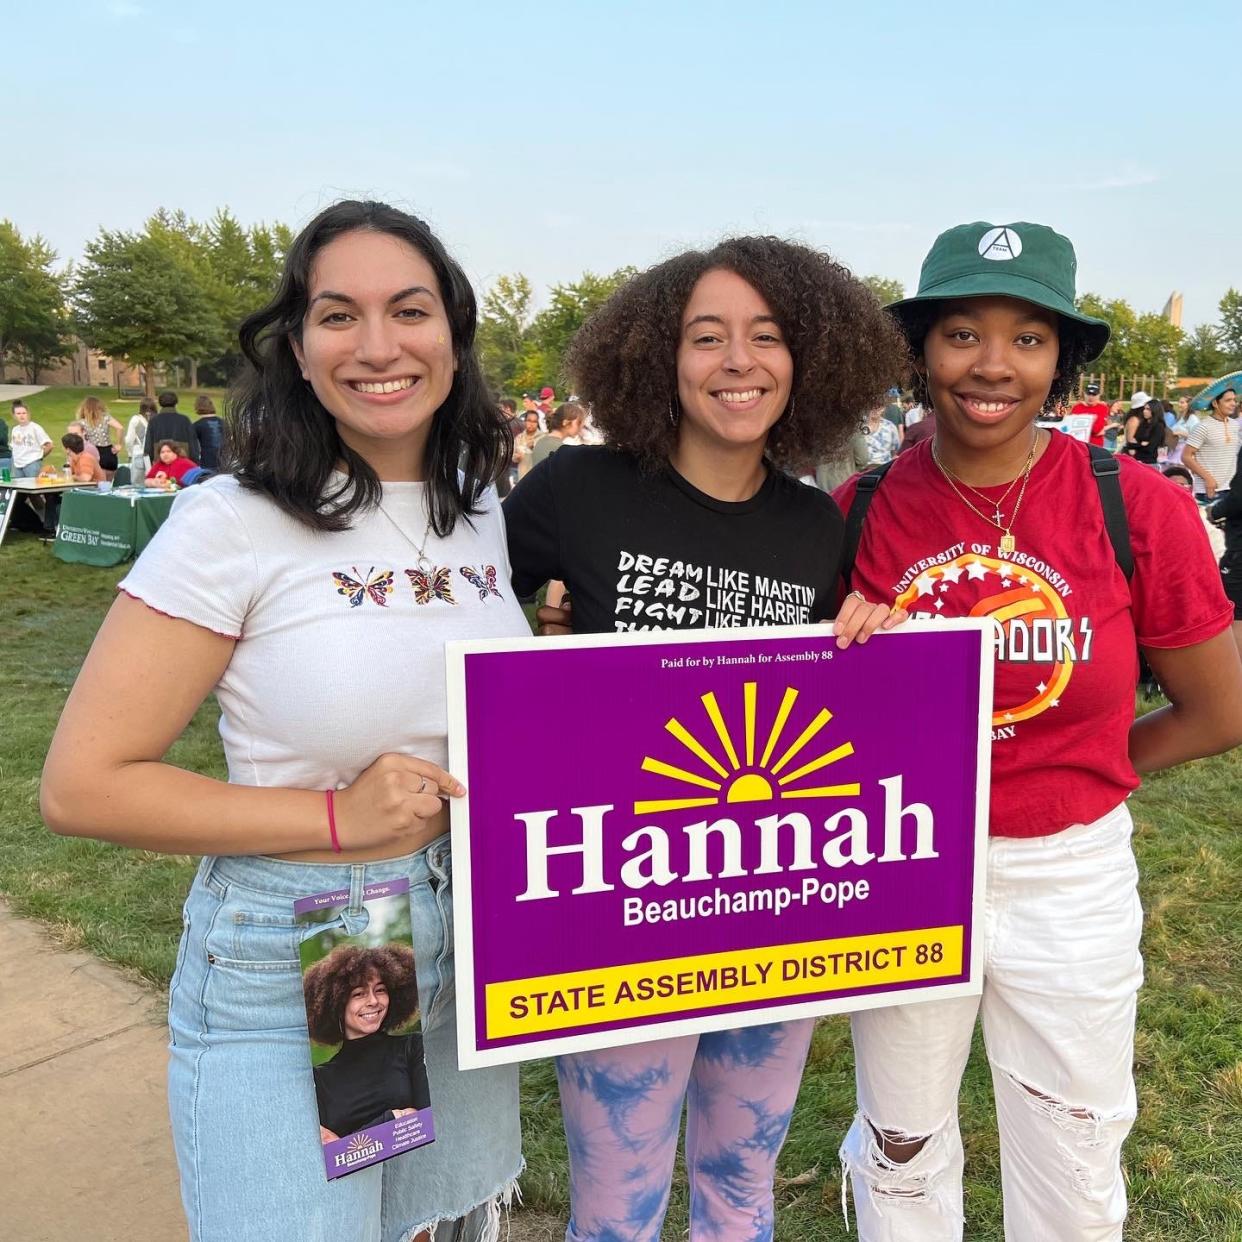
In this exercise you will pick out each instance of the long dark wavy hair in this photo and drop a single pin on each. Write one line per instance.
(846, 351)
(285, 443)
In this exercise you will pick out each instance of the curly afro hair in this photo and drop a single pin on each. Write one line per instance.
(917, 319)
(329, 981)
(846, 351)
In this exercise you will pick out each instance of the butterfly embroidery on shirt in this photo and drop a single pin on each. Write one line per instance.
(438, 584)
(377, 585)
(484, 586)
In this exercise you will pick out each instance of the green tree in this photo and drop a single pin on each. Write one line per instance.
(243, 267)
(34, 327)
(1201, 354)
(885, 290)
(1146, 344)
(504, 320)
(569, 307)
(141, 296)
(207, 336)
(1230, 330)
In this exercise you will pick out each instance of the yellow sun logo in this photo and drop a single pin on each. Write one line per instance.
(748, 781)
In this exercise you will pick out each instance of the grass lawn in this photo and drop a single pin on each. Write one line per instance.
(1183, 1162)
(54, 408)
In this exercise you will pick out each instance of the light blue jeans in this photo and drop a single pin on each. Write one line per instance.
(240, 1088)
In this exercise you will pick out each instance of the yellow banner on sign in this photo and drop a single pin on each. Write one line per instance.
(684, 984)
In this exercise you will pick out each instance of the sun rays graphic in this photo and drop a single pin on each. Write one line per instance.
(731, 776)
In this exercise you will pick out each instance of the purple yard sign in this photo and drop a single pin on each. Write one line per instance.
(667, 833)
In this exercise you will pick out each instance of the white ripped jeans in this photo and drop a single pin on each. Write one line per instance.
(1061, 976)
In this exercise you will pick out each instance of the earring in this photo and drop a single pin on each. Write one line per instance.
(788, 415)
(672, 416)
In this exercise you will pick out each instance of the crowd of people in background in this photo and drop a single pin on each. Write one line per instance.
(1197, 451)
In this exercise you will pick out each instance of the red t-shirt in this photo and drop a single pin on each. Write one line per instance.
(1067, 661)
(176, 469)
(1099, 411)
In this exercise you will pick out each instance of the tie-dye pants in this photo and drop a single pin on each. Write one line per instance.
(622, 1110)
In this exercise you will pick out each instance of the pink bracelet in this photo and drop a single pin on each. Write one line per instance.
(330, 795)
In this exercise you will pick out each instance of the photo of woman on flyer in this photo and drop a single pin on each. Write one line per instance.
(359, 998)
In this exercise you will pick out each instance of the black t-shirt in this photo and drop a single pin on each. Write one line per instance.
(368, 1078)
(650, 552)
(171, 425)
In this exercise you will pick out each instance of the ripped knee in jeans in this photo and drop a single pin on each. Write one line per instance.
(1086, 1130)
(897, 1146)
(900, 1168)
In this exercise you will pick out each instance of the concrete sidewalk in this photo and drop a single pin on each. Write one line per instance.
(85, 1147)
(85, 1144)
(10, 392)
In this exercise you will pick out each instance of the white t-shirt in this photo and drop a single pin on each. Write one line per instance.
(340, 637)
(26, 442)
(135, 435)
(915, 414)
(1216, 449)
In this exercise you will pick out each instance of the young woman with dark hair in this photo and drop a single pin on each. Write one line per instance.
(313, 592)
(1145, 429)
(169, 464)
(297, 459)
(711, 375)
(354, 998)
(998, 517)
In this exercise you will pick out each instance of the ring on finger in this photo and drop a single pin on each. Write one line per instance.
(858, 595)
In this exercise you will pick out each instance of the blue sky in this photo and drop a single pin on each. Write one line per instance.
(554, 137)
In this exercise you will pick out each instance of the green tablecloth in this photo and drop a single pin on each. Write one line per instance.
(150, 513)
(98, 528)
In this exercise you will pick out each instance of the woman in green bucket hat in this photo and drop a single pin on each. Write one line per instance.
(996, 516)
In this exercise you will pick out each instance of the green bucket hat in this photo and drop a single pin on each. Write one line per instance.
(1027, 261)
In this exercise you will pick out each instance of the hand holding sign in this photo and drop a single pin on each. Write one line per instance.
(391, 801)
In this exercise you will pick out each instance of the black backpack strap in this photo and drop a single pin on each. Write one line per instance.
(867, 484)
(1107, 474)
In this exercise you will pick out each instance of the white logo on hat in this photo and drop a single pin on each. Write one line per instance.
(1001, 243)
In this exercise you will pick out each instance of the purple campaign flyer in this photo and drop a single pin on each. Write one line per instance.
(360, 985)
(713, 829)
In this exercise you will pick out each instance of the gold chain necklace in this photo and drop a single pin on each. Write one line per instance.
(997, 516)
(1007, 543)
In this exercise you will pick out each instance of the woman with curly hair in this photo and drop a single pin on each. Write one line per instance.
(1083, 560)
(711, 375)
(354, 997)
